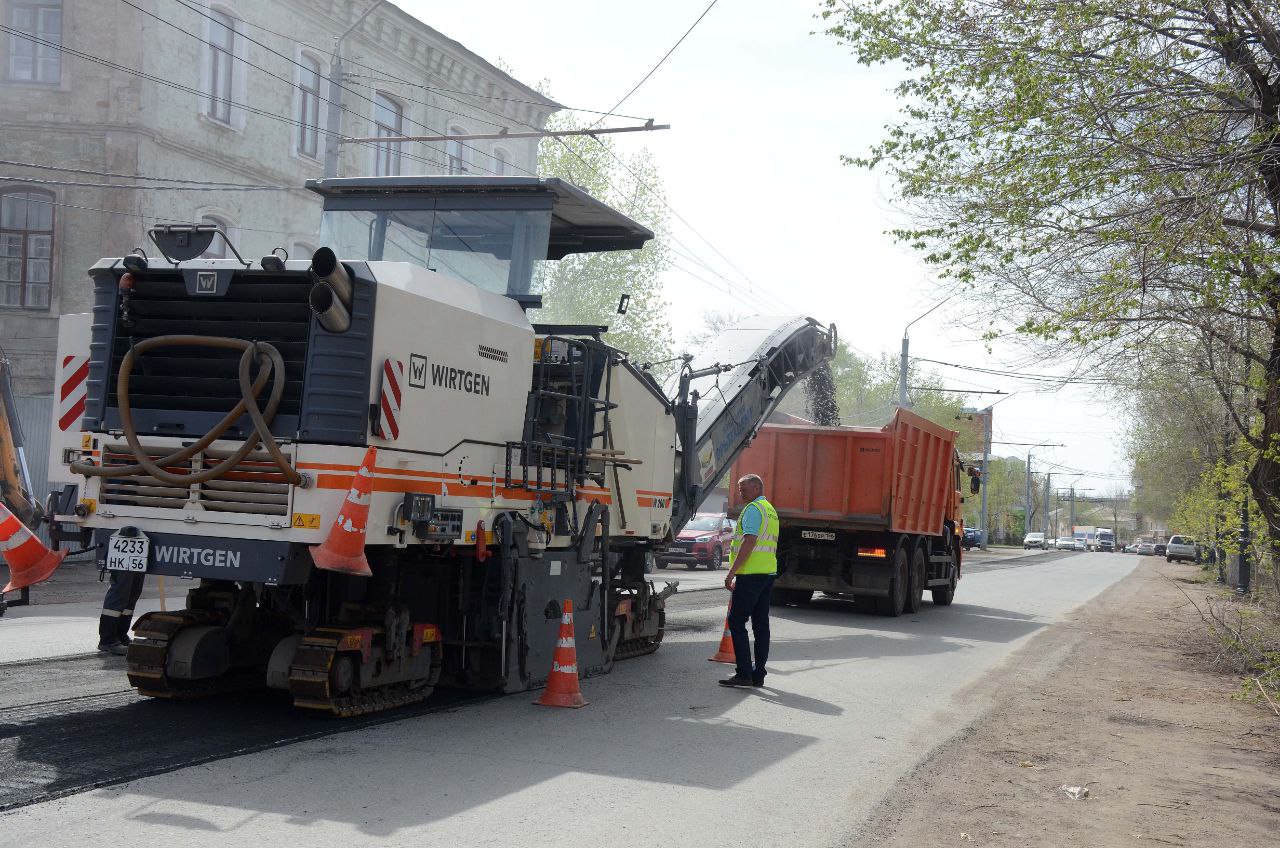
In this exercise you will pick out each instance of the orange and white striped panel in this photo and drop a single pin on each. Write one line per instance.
(388, 425)
(73, 390)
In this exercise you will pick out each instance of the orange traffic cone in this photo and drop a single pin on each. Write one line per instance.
(343, 549)
(725, 652)
(562, 684)
(29, 560)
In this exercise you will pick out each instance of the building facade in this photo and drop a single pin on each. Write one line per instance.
(116, 115)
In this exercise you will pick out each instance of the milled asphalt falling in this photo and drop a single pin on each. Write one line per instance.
(662, 755)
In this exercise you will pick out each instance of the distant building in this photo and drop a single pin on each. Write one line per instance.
(214, 94)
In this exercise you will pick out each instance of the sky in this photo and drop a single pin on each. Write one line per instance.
(761, 111)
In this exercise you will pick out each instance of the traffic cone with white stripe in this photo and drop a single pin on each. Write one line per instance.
(562, 684)
(725, 652)
(343, 549)
(29, 560)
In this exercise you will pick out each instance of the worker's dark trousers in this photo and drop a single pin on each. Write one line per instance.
(117, 607)
(750, 601)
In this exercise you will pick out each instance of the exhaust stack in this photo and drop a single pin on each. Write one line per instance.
(330, 297)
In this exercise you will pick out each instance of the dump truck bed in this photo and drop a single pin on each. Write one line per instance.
(899, 478)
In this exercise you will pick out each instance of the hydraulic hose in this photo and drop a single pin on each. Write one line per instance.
(270, 367)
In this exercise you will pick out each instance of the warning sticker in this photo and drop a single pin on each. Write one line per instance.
(306, 520)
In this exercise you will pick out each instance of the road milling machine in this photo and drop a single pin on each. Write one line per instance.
(376, 472)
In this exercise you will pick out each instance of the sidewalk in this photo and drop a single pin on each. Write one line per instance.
(1119, 700)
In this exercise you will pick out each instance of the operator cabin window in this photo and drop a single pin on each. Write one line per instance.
(455, 153)
(223, 44)
(388, 122)
(309, 107)
(26, 248)
(33, 48)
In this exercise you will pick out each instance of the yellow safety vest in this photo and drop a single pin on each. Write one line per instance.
(764, 556)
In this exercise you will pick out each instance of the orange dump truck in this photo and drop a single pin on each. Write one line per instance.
(865, 512)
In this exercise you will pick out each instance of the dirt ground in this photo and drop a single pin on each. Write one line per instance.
(1121, 700)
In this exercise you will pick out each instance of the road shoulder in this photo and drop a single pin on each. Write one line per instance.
(1128, 708)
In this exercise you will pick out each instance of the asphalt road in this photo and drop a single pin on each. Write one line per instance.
(661, 756)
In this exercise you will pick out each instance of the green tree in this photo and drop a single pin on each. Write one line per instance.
(585, 288)
(1106, 171)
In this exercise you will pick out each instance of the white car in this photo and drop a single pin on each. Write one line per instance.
(1034, 540)
(1065, 543)
(1080, 545)
(1181, 549)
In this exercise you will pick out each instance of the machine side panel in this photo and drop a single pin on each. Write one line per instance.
(335, 397)
(70, 394)
(642, 431)
(467, 375)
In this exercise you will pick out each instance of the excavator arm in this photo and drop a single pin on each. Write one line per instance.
(729, 389)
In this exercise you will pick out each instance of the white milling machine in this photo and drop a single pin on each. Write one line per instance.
(214, 414)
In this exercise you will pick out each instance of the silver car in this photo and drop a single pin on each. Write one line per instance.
(1065, 543)
(1181, 549)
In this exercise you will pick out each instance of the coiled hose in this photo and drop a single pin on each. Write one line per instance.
(270, 366)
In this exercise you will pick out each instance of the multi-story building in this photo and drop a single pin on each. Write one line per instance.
(118, 114)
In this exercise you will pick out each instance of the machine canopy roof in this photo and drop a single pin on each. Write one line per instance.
(579, 222)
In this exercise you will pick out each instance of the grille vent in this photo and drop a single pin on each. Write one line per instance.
(254, 487)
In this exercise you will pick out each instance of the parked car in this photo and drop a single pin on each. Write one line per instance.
(1160, 548)
(972, 538)
(1081, 545)
(1146, 549)
(704, 540)
(1034, 540)
(1132, 547)
(1065, 543)
(1181, 549)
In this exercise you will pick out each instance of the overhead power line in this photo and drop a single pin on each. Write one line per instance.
(1021, 375)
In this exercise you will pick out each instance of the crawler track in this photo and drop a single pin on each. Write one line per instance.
(149, 653)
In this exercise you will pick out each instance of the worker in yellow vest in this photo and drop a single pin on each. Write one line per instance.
(753, 566)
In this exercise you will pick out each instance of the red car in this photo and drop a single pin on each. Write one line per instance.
(703, 541)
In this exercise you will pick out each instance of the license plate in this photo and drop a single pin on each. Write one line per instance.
(128, 553)
(821, 535)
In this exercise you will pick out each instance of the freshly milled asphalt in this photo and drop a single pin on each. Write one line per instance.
(661, 755)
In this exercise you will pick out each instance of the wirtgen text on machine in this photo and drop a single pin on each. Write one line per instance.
(471, 382)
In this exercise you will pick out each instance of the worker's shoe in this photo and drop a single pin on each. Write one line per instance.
(122, 635)
(737, 682)
(114, 648)
(757, 680)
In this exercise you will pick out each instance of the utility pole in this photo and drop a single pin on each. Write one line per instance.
(1073, 510)
(1027, 522)
(1048, 478)
(986, 481)
(903, 401)
(333, 120)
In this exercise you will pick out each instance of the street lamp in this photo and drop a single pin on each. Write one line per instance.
(903, 401)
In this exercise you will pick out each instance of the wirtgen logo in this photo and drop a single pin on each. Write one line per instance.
(417, 371)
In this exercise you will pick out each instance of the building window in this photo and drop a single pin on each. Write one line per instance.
(30, 60)
(223, 44)
(388, 121)
(455, 153)
(26, 248)
(218, 247)
(501, 162)
(309, 106)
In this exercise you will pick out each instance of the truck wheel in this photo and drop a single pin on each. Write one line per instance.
(801, 597)
(944, 597)
(894, 604)
(915, 586)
